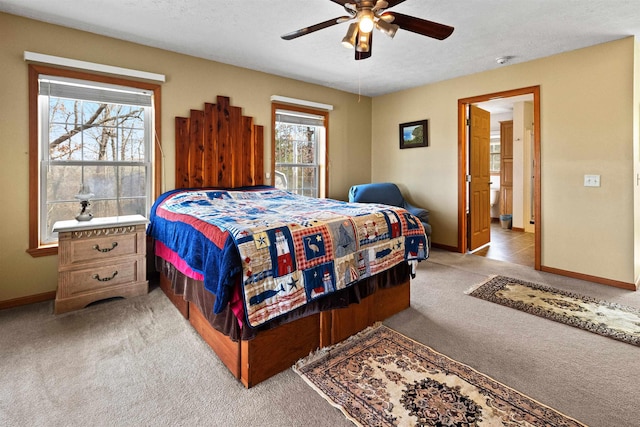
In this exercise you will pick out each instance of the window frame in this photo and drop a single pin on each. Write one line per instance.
(36, 249)
(323, 163)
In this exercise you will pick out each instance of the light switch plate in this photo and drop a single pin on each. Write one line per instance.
(592, 180)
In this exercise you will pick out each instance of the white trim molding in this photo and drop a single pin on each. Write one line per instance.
(301, 102)
(91, 66)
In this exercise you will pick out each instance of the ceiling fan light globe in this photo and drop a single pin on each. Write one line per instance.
(365, 21)
(387, 18)
(385, 27)
(363, 42)
(362, 47)
(380, 5)
(349, 41)
(366, 25)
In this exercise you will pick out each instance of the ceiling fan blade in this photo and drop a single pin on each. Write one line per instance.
(421, 26)
(393, 3)
(306, 30)
(343, 2)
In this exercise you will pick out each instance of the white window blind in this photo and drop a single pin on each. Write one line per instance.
(297, 118)
(97, 92)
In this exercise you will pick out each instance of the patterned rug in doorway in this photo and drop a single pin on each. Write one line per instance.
(382, 378)
(605, 318)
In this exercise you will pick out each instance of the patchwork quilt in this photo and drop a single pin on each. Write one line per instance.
(284, 249)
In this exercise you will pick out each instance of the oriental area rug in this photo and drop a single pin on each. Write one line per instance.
(604, 318)
(380, 377)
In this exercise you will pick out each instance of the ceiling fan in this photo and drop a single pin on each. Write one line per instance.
(368, 15)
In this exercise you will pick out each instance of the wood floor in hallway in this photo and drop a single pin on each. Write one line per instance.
(516, 247)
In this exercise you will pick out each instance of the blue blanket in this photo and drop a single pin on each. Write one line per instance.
(284, 249)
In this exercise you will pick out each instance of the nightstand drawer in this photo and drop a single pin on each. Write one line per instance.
(76, 282)
(97, 249)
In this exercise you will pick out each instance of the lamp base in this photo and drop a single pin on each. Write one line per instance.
(84, 217)
(85, 214)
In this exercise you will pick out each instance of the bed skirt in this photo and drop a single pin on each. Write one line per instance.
(226, 323)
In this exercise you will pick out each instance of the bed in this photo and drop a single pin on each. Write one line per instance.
(263, 275)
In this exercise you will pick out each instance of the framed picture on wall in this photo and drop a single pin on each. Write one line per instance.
(414, 134)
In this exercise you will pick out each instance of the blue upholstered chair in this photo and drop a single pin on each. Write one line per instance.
(388, 193)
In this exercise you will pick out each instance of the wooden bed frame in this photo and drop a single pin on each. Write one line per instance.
(218, 147)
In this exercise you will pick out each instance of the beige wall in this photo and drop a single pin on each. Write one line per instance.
(588, 117)
(190, 82)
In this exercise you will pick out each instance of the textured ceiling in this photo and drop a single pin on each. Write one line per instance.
(247, 33)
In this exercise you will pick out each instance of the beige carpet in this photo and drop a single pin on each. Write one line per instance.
(137, 362)
(601, 317)
(382, 378)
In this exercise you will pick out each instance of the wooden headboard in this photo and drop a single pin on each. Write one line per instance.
(219, 147)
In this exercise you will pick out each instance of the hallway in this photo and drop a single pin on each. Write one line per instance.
(516, 247)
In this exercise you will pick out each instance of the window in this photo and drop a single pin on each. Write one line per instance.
(494, 154)
(300, 146)
(92, 134)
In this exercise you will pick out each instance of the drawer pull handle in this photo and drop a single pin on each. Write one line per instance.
(105, 279)
(103, 250)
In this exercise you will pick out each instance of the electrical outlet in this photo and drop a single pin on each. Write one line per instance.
(592, 180)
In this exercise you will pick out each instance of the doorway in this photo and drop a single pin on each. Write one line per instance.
(467, 201)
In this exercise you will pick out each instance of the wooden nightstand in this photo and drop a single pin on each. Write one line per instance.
(99, 259)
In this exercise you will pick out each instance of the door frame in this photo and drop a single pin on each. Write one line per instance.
(463, 162)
